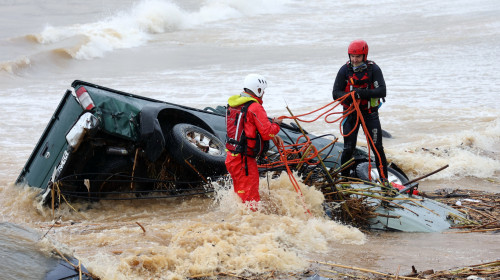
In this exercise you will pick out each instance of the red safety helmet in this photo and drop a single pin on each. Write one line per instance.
(358, 47)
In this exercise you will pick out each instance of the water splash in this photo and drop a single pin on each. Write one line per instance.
(135, 27)
(187, 237)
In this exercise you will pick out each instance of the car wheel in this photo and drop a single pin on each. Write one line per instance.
(393, 175)
(203, 150)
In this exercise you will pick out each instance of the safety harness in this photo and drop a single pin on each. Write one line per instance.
(365, 82)
(236, 138)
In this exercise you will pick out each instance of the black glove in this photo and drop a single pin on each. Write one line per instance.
(362, 93)
(348, 100)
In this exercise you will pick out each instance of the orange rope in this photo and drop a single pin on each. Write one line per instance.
(284, 157)
(288, 153)
(369, 139)
(328, 108)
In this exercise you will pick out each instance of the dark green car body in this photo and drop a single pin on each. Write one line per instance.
(131, 128)
(102, 142)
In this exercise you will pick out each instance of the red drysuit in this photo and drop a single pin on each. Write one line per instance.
(247, 186)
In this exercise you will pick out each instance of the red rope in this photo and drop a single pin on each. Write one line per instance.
(293, 149)
(289, 153)
(369, 140)
(284, 153)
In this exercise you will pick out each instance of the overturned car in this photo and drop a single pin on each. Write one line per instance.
(102, 142)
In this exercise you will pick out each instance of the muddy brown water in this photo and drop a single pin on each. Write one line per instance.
(441, 109)
(171, 238)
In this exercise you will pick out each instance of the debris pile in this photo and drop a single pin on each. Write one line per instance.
(481, 208)
(483, 271)
(329, 271)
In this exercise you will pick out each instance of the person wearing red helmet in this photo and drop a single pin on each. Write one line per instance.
(248, 132)
(365, 78)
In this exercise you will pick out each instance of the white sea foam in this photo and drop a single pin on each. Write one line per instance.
(468, 153)
(135, 27)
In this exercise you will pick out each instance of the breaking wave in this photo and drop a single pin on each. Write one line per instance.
(14, 66)
(468, 153)
(135, 27)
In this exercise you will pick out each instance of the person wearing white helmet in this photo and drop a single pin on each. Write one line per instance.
(248, 132)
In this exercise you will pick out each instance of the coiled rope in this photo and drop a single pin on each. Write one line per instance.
(353, 108)
(289, 153)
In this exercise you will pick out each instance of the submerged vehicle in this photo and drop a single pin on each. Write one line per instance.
(101, 142)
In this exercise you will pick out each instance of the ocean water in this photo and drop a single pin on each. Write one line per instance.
(439, 59)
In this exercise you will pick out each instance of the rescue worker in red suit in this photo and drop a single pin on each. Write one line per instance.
(365, 78)
(242, 164)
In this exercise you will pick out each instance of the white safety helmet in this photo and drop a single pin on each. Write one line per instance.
(256, 84)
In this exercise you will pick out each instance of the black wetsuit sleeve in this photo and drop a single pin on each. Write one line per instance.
(378, 80)
(340, 83)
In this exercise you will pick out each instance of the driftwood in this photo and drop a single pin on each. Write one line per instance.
(487, 271)
(482, 208)
(143, 229)
(426, 175)
(76, 267)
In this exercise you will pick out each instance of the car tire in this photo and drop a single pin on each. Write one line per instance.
(393, 175)
(203, 150)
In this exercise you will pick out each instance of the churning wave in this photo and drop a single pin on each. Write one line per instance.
(13, 66)
(136, 26)
(468, 153)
